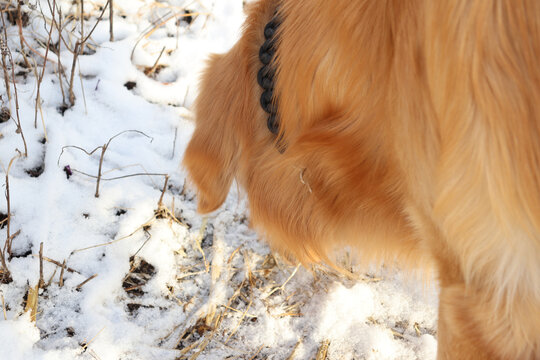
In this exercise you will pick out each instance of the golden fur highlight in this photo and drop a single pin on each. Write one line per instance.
(412, 132)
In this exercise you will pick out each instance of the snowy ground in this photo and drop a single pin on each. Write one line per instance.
(163, 283)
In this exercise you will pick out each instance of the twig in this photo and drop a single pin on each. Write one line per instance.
(108, 142)
(5, 271)
(4, 307)
(40, 79)
(18, 121)
(37, 52)
(9, 238)
(322, 352)
(160, 202)
(291, 357)
(57, 263)
(117, 177)
(286, 281)
(174, 142)
(32, 302)
(91, 340)
(60, 67)
(198, 242)
(186, 275)
(89, 153)
(51, 278)
(103, 149)
(127, 131)
(417, 329)
(187, 348)
(257, 352)
(173, 16)
(111, 18)
(79, 47)
(116, 240)
(41, 283)
(73, 64)
(247, 266)
(81, 2)
(207, 340)
(85, 281)
(238, 311)
(61, 281)
(19, 25)
(82, 87)
(4, 49)
(96, 24)
(59, 26)
(38, 103)
(148, 237)
(157, 24)
(154, 67)
(239, 322)
(291, 314)
(234, 253)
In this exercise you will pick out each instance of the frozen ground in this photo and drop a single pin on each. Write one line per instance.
(163, 283)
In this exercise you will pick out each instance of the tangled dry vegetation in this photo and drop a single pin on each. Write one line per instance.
(26, 53)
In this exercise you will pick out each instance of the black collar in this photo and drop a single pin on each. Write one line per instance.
(265, 76)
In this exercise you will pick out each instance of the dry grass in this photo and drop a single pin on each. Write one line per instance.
(32, 302)
(323, 350)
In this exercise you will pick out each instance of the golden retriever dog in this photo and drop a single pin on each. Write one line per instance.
(408, 129)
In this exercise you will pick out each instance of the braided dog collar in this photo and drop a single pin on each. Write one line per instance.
(265, 76)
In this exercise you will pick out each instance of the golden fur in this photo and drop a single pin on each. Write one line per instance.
(413, 133)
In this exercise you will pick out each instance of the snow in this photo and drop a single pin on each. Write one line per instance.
(186, 269)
